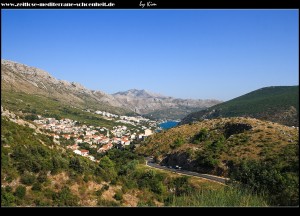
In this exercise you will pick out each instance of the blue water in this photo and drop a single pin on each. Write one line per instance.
(168, 124)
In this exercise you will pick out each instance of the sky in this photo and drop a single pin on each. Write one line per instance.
(198, 54)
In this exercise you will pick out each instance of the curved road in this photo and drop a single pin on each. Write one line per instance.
(149, 162)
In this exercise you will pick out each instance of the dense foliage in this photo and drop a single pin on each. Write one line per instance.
(278, 104)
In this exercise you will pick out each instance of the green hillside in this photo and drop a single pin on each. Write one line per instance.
(277, 103)
(50, 107)
(37, 172)
(259, 154)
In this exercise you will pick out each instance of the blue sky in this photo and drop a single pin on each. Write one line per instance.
(198, 54)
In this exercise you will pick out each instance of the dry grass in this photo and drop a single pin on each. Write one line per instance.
(264, 138)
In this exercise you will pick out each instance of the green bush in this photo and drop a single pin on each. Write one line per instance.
(65, 198)
(119, 195)
(7, 198)
(177, 143)
(36, 187)
(20, 192)
(201, 136)
(106, 169)
(270, 177)
(42, 177)
(27, 179)
(75, 164)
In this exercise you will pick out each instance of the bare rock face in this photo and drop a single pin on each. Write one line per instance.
(145, 102)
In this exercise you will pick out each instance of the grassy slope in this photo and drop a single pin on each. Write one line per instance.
(279, 104)
(29, 103)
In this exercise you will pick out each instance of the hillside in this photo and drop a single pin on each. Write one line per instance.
(158, 106)
(277, 103)
(20, 78)
(35, 171)
(224, 146)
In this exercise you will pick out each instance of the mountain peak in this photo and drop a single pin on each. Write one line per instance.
(138, 93)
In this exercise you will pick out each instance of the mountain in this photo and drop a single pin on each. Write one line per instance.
(16, 77)
(159, 106)
(276, 103)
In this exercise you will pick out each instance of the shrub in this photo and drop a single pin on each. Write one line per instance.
(106, 169)
(36, 187)
(75, 164)
(119, 195)
(65, 198)
(27, 179)
(271, 177)
(7, 199)
(201, 136)
(20, 192)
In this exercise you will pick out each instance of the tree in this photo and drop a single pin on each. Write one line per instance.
(106, 169)
(76, 165)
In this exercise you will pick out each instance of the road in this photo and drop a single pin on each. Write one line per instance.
(149, 162)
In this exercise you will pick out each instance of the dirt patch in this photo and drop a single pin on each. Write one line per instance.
(130, 200)
(59, 180)
(109, 194)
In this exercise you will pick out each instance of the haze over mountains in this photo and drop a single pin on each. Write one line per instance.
(22, 78)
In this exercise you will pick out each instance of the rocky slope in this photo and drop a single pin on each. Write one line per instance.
(276, 103)
(156, 105)
(22, 78)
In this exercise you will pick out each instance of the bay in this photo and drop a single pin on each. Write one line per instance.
(168, 124)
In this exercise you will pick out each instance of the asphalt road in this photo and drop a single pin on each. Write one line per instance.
(149, 162)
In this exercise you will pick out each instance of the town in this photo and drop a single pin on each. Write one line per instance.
(101, 139)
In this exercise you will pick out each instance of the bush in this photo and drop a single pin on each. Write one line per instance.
(270, 177)
(118, 196)
(42, 177)
(31, 117)
(20, 192)
(7, 199)
(36, 187)
(65, 198)
(201, 136)
(75, 164)
(106, 169)
(177, 143)
(27, 179)
(106, 203)
(8, 189)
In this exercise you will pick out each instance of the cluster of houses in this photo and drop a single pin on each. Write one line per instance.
(119, 136)
(107, 114)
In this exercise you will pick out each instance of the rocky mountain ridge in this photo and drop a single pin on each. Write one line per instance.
(31, 80)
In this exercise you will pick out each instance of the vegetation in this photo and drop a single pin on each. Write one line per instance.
(226, 196)
(36, 172)
(262, 156)
(34, 105)
(277, 103)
